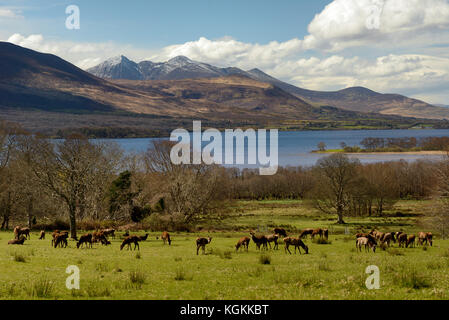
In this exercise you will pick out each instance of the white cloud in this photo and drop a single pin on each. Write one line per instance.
(83, 55)
(9, 13)
(346, 23)
(329, 65)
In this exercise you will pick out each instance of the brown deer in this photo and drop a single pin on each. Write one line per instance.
(410, 241)
(244, 241)
(296, 242)
(18, 231)
(326, 234)
(109, 232)
(280, 232)
(143, 238)
(425, 237)
(387, 238)
(368, 243)
(317, 231)
(166, 237)
(201, 243)
(305, 232)
(273, 238)
(60, 240)
(402, 239)
(100, 237)
(85, 239)
(42, 235)
(259, 240)
(130, 240)
(17, 241)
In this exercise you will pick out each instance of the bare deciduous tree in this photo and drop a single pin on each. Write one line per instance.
(334, 175)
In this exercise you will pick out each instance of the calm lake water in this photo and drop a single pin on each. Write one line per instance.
(295, 146)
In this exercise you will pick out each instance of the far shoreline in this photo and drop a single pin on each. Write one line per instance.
(385, 153)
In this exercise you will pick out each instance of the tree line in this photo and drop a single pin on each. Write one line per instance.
(78, 180)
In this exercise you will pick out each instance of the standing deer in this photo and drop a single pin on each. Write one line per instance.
(273, 238)
(305, 232)
(259, 240)
(280, 232)
(402, 239)
(410, 241)
(166, 237)
(42, 235)
(85, 239)
(201, 243)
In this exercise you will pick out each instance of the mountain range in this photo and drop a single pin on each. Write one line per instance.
(48, 94)
(357, 99)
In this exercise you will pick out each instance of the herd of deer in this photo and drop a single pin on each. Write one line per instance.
(367, 240)
(371, 239)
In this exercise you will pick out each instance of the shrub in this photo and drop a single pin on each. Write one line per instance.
(18, 257)
(41, 288)
(321, 241)
(265, 259)
(182, 275)
(410, 278)
(137, 278)
(323, 266)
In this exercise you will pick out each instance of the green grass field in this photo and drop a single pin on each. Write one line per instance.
(330, 271)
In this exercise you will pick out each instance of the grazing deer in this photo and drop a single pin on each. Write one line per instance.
(129, 240)
(17, 241)
(85, 239)
(109, 232)
(60, 240)
(315, 232)
(42, 235)
(296, 242)
(201, 243)
(166, 237)
(305, 232)
(361, 234)
(100, 237)
(326, 234)
(425, 237)
(280, 232)
(259, 240)
(402, 239)
(387, 238)
(410, 241)
(244, 241)
(377, 234)
(273, 238)
(368, 243)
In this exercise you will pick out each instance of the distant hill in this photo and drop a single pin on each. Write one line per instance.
(357, 99)
(47, 94)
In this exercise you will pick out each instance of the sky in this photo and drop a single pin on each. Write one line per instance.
(390, 46)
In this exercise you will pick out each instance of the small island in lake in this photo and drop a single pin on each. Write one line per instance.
(408, 145)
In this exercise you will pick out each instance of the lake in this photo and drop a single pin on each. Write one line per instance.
(295, 146)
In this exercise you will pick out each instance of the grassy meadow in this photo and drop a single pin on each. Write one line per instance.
(331, 271)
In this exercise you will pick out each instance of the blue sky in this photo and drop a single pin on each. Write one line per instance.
(152, 24)
(396, 46)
